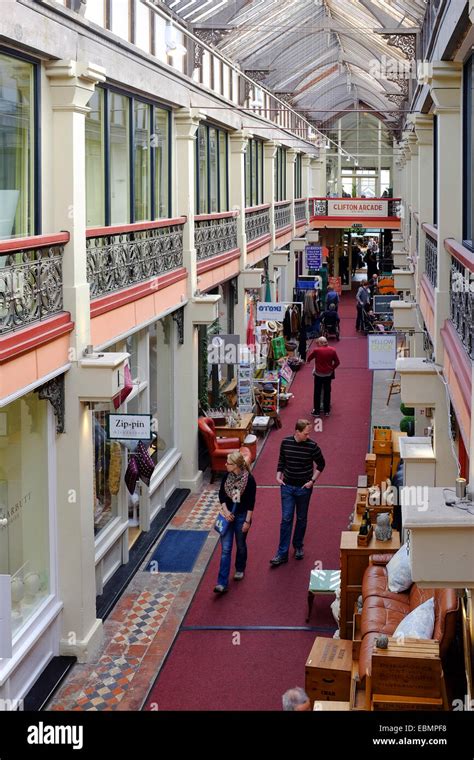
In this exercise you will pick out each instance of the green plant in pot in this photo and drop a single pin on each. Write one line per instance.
(407, 411)
(407, 425)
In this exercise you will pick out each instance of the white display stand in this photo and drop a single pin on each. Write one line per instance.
(419, 461)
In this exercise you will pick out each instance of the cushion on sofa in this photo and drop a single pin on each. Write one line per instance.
(375, 583)
(399, 571)
(419, 623)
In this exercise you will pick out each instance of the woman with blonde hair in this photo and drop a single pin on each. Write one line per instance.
(237, 497)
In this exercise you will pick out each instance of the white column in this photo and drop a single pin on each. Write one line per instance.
(413, 148)
(238, 145)
(290, 184)
(318, 172)
(186, 122)
(446, 92)
(269, 154)
(306, 181)
(71, 87)
(424, 134)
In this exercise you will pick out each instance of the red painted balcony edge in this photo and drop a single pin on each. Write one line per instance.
(118, 229)
(300, 200)
(218, 261)
(430, 230)
(354, 216)
(459, 360)
(37, 241)
(222, 215)
(258, 242)
(342, 198)
(462, 254)
(261, 207)
(283, 230)
(428, 291)
(37, 334)
(120, 298)
(300, 222)
(282, 203)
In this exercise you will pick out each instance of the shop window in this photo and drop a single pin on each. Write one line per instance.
(211, 170)
(254, 173)
(17, 149)
(95, 153)
(280, 174)
(468, 157)
(24, 504)
(107, 472)
(119, 191)
(298, 179)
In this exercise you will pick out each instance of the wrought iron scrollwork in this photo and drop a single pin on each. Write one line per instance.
(31, 286)
(431, 260)
(320, 208)
(53, 391)
(282, 216)
(214, 236)
(117, 261)
(462, 304)
(257, 224)
(178, 318)
(300, 211)
(405, 42)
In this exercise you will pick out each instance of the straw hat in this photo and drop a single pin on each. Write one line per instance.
(272, 326)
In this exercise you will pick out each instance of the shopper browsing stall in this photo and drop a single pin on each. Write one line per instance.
(326, 361)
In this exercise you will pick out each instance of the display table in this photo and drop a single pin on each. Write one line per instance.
(240, 431)
(322, 582)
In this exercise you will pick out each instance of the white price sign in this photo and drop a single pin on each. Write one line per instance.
(275, 311)
(382, 351)
(130, 427)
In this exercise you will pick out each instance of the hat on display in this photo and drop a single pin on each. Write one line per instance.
(272, 326)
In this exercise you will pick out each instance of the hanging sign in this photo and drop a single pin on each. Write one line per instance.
(363, 207)
(314, 256)
(130, 427)
(382, 351)
(270, 310)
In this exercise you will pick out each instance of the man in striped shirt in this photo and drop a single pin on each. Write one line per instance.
(300, 464)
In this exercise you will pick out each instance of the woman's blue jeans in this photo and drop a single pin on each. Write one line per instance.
(234, 529)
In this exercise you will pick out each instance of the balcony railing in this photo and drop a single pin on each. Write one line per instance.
(257, 222)
(300, 210)
(215, 234)
(31, 279)
(121, 256)
(431, 258)
(282, 214)
(462, 294)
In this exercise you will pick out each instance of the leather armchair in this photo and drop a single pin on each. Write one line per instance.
(219, 448)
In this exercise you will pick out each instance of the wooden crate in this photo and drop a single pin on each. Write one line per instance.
(382, 447)
(382, 433)
(328, 670)
(411, 669)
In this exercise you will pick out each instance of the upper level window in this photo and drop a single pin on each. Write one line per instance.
(17, 148)
(254, 173)
(280, 174)
(120, 190)
(298, 179)
(211, 170)
(468, 156)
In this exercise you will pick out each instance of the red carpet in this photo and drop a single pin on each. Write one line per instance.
(266, 663)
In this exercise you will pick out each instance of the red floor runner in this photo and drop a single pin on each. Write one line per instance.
(266, 663)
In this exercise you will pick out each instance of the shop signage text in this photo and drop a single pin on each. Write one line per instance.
(275, 311)
(382, 351)
(314, 256)
(357, 208)
(130, 427)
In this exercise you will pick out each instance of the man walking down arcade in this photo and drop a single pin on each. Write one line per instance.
(299, 466)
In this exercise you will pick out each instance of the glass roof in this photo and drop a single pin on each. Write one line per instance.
(327, 55)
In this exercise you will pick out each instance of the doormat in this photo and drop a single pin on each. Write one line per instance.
(177, 552)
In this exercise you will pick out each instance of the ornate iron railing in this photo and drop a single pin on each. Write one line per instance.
(462, 304)
(431, 260)
(282, 215)
(394, 206)
(31, 280)
(318, 207)
(257, 222)
(214, 234)
(300, 210)
(122, 256)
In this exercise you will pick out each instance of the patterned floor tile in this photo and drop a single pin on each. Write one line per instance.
(204, 513)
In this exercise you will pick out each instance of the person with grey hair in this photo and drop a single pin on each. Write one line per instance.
(296, 700)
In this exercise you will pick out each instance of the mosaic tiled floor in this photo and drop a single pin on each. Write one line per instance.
(142, 626)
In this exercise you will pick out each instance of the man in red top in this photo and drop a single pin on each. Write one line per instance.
(325, 362)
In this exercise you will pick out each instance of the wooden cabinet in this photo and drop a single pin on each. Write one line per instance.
(354, 560)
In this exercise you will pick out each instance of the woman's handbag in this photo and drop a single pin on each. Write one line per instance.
(222, 523)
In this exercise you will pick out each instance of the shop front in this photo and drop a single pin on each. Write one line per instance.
(124, 506)
(28, 546)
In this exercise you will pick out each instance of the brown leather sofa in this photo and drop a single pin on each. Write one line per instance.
(383, 610)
